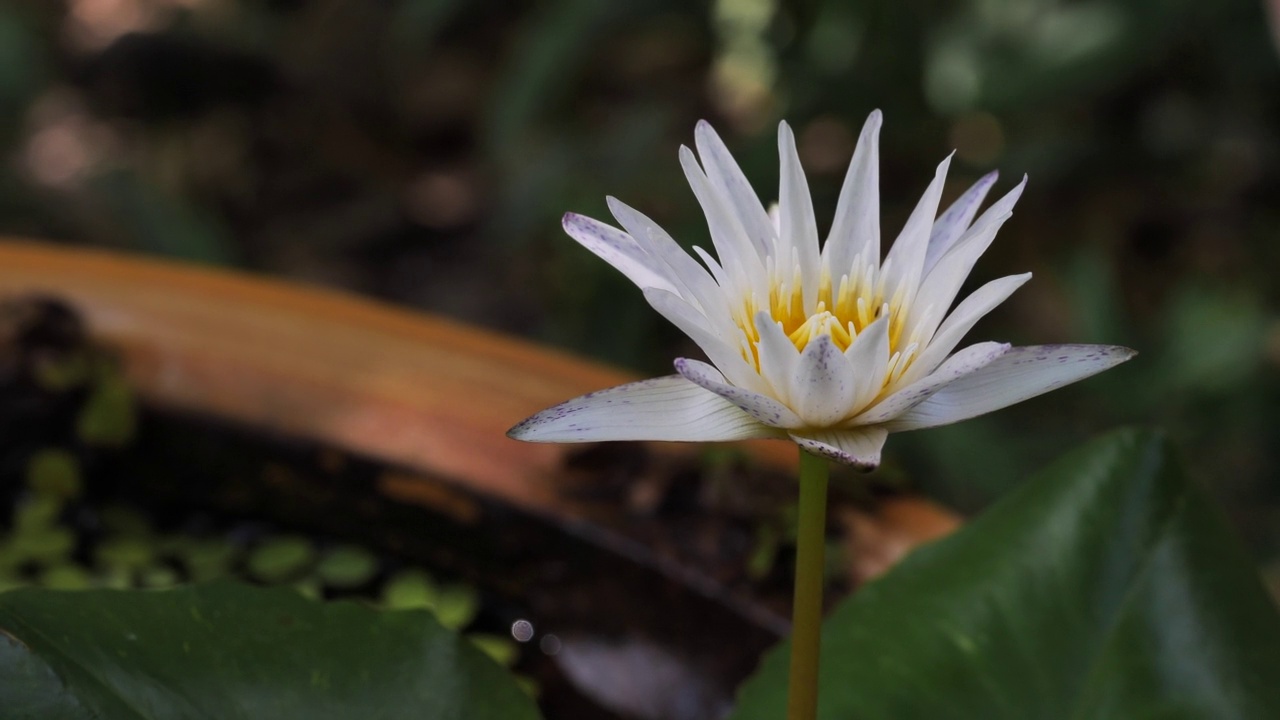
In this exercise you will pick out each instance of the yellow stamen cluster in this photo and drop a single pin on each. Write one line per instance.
(841, 311)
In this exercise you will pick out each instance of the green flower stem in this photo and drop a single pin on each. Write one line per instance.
(806, 614)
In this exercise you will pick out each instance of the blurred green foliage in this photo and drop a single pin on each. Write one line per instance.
(424, 150)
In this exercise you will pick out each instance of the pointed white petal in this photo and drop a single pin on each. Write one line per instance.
(727, 178)
(778, 357)
(965, 362)
(957, 325)
(956, 219)
(797, 227)
(856, 227)
(737, 255)
(859, 448)
(940, 286)
(868, 355)
(715, 341)
(713, 267)
(618, 249)
(823, 389)
(694, 282)
(1020, 374)
(761, 407)
(908, 251)
(665, 408)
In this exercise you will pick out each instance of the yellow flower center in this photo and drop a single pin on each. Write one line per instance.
(842, 311)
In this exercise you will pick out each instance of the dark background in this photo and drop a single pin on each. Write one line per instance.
(423, 151)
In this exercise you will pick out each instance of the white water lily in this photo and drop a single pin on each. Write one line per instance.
(827, 346)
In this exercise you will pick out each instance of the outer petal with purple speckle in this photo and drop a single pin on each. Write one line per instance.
(761, 407)
(665, 408)
(860, 447)
(1020, 374)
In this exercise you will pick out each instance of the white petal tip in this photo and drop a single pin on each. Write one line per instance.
(763, 319)
(526, 430)
(1123, 353)
(871, 128)
(706, 138)
(576, 223)
(1012, 197)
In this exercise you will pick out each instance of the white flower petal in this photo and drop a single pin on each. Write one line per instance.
(1020, 374)
(775, 217)
(970, 310)
(940, 285)
(797, 227)
(713, 267)
(665, 408)
(778, 357)
(868, 355)
(823, 388)
(906, 258)
(742, 264)
(856, 226)
(694, 281)
(957, 218)
(727, 178)
(860, 447)
(713, 340)
(965, 362)
(761, 407)
(618, 249)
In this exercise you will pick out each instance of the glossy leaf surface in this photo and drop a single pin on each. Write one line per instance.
(231, 651)
(1108, 586)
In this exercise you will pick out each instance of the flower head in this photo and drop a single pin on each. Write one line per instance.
(826, 345)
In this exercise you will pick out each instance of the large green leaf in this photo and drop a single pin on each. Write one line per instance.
(1109, 586)
(225, 651)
